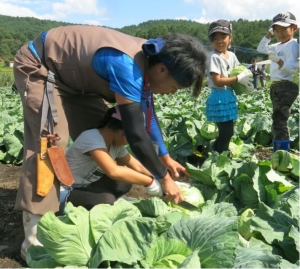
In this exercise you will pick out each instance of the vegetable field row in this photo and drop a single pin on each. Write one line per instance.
(248, 209)
(182, 120)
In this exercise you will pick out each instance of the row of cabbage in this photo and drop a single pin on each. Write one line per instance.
(11, 127)
(247, 217)
(182, 120)
(186, 130)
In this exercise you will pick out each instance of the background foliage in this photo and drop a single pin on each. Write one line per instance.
(16, 31)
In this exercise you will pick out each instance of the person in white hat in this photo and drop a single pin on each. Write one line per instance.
(283, 90)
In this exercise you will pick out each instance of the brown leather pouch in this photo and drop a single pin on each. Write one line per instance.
(45, 173)
(60, 165)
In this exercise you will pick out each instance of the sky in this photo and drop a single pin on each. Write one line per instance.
(120, 13)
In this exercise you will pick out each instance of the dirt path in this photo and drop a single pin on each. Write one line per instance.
(11, 235)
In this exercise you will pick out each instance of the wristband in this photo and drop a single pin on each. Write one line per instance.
(150, 182)
(236, 79)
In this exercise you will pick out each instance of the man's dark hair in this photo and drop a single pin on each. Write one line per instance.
(187, 59)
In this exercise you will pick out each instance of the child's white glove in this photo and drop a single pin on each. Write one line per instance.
(273, 57)
(271, 31)
(155, 188)
(246, 79)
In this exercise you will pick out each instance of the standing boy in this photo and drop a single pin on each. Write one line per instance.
(283, 90)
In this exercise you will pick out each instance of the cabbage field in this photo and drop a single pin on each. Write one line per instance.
(182, 121)
(248, 209)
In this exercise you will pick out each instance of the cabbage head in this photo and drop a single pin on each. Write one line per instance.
(238, 87)
(192, 195)
(263, 138)
(209, 130)
(236, 150)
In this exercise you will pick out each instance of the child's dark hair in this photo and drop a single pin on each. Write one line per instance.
(110, 122)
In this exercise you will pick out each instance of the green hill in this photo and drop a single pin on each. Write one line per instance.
(16, 31)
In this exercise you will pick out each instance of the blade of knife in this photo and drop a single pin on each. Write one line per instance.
(187, 205)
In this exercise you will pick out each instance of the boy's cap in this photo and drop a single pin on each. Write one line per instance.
(284, 19)
(222, 26)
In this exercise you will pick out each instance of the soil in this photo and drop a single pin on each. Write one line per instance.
(11, 228)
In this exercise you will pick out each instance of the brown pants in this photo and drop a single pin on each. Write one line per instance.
(76, 112)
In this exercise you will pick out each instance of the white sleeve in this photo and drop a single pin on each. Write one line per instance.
(263, 46)
(215, 64)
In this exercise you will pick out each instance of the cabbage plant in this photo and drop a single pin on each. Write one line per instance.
(209, 130)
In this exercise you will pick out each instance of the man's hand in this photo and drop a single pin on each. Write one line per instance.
(174, 167)
(273, 57)
(155, 188)
(171, 190)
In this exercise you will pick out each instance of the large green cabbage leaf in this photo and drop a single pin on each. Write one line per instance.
(245, 191)
(216, 239)
(68, 239)
(272, 224)
(191, 261)
(244, 223)
(209, 209)
(255, 257)
(166, 253)
(38, 257)
(86, 238)
(122, 238)
(289, 202)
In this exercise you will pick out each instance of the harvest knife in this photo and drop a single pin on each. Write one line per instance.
(187, 205)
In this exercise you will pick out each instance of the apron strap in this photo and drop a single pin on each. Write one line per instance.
(49, 109)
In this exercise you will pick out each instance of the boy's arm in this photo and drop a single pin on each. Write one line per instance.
(288, 66)
(263, 46)
(133, 163)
